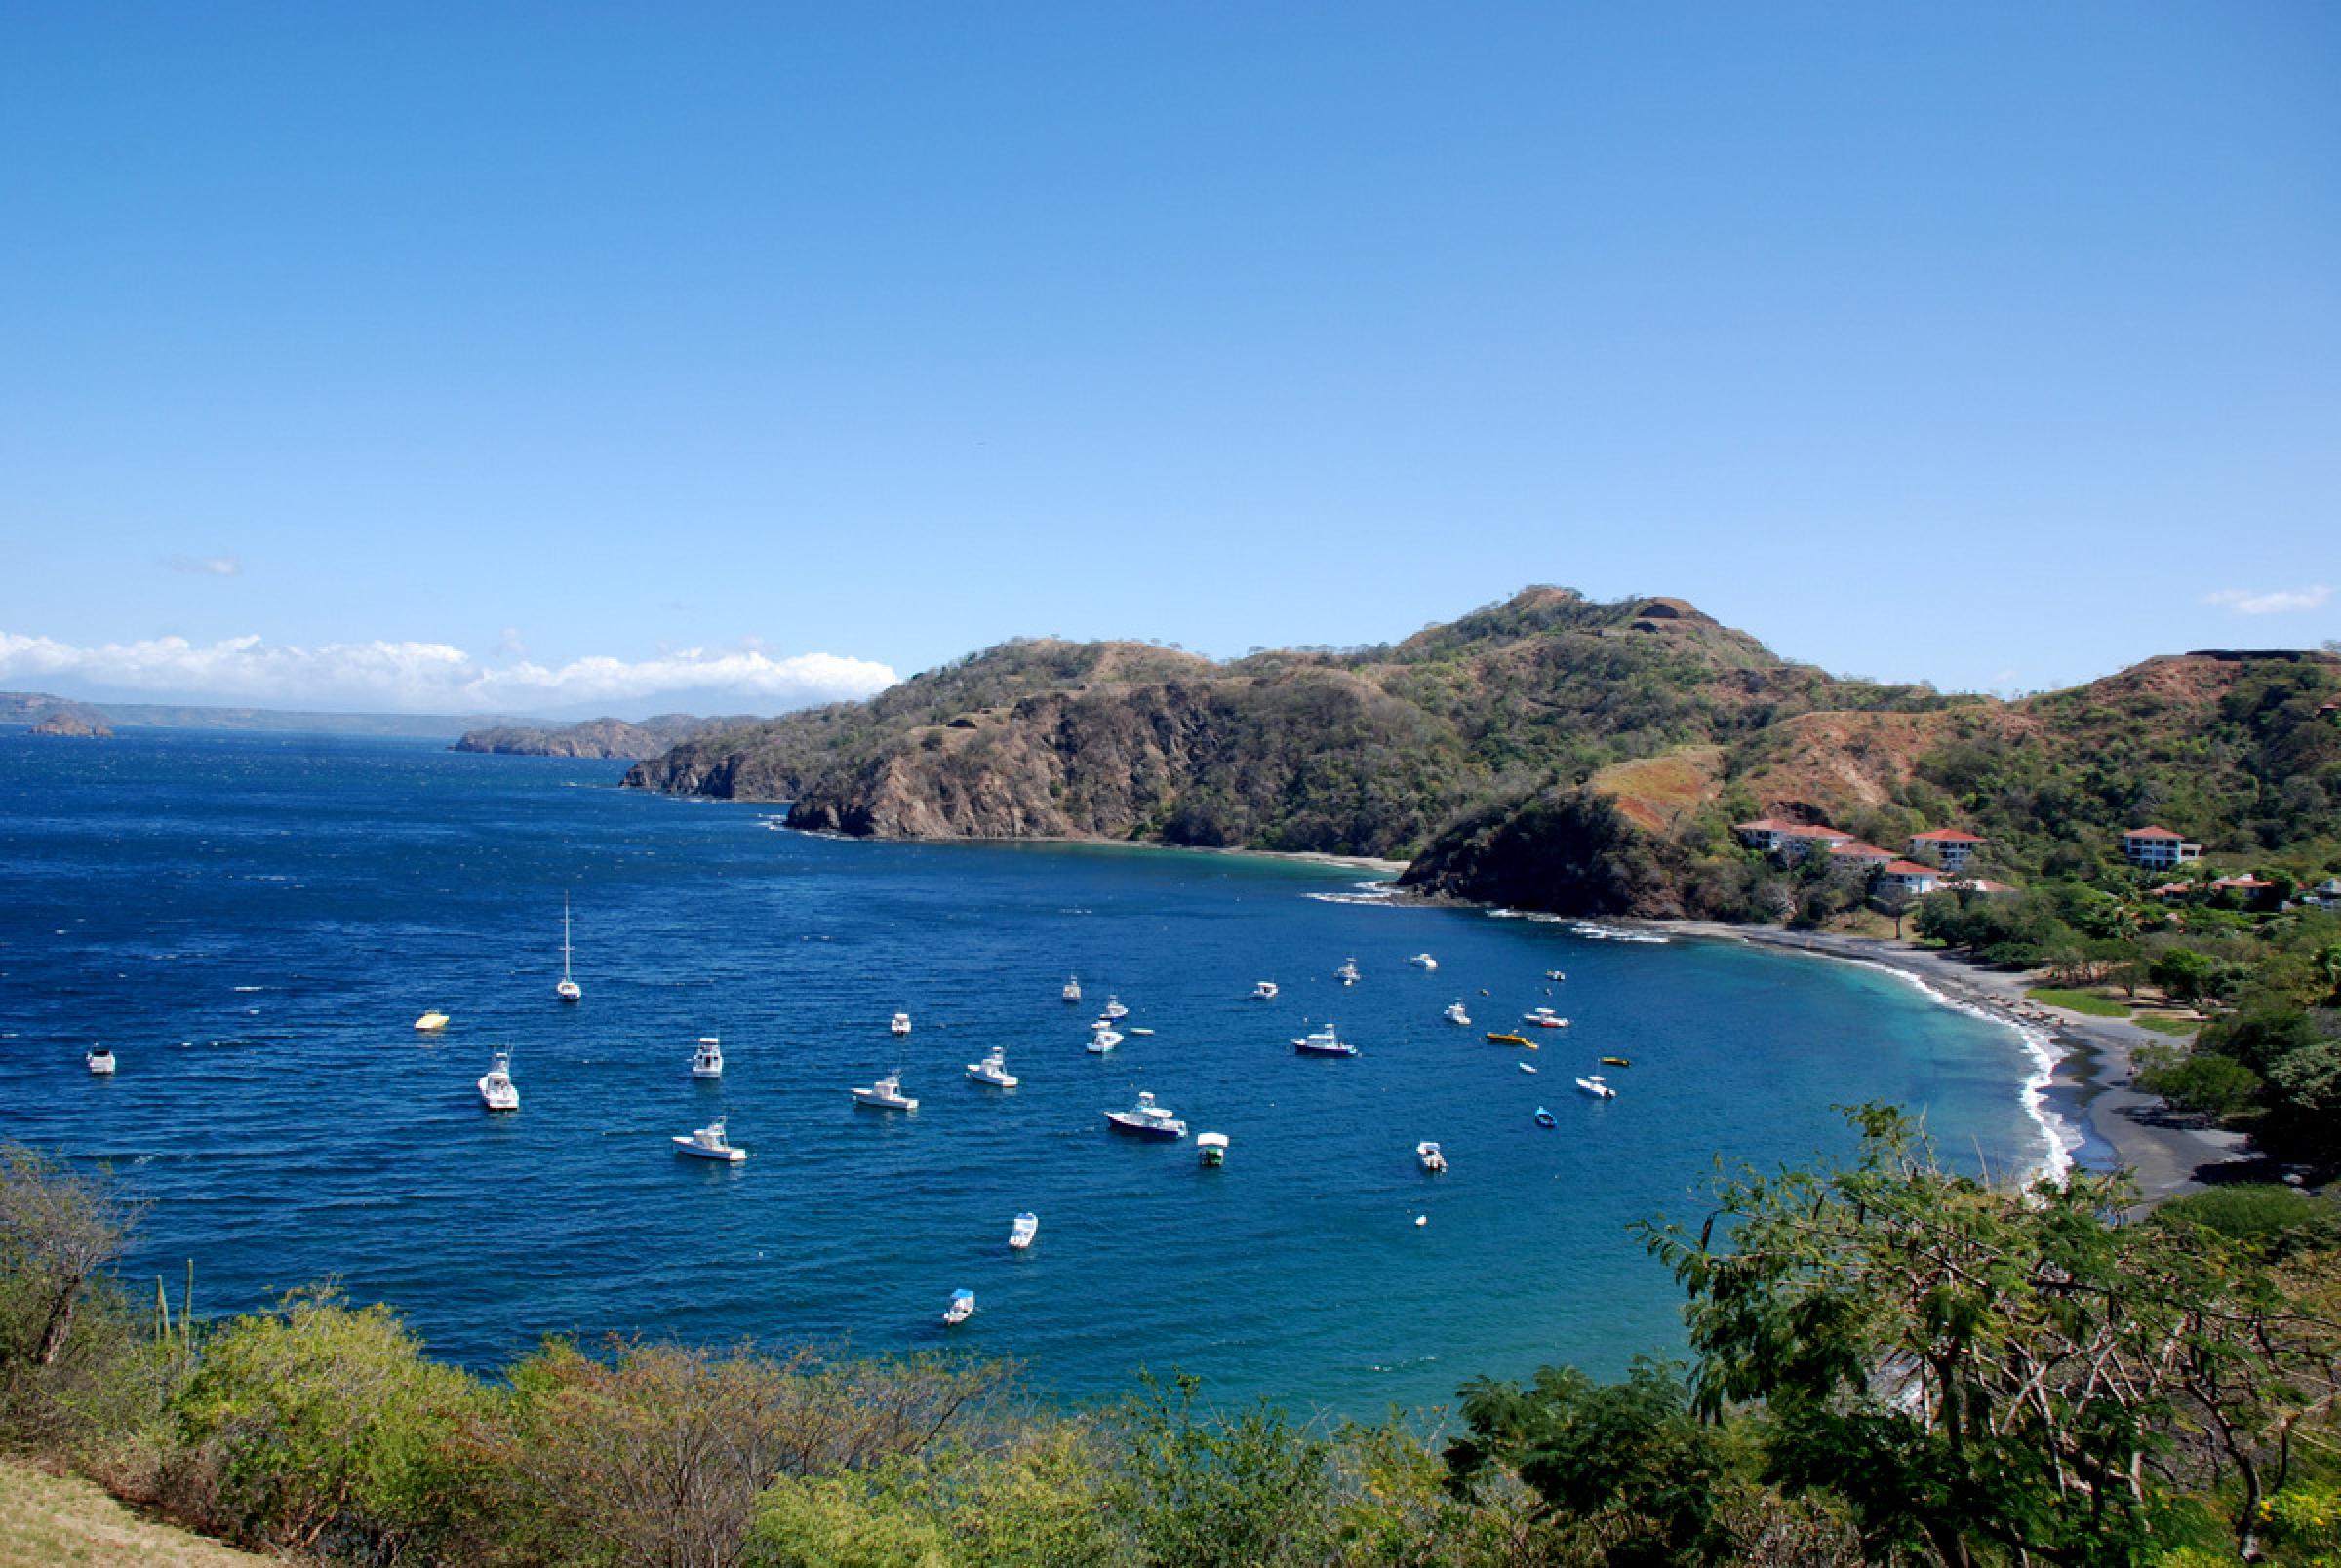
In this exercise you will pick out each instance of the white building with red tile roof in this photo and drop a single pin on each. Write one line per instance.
(2158, 848)
(1951, 847)
(1910, 874)
(1861, 856)
(1793, 838)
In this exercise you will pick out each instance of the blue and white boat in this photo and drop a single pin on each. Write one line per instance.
(962, 1308)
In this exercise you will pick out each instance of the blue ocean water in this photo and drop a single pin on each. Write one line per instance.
(254, 923)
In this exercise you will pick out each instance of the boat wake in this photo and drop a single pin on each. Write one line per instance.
(1367, 900)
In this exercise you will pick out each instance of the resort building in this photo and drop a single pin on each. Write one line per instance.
(1951, 848)
(1909, 876)
(2327, 892)
(1790, 838)
(2158, 848)
(1862, 857)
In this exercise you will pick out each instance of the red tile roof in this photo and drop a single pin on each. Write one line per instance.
(1911, 868)
(2148, 833)
(1861, 851)
(2246, 881)
(1947, 836)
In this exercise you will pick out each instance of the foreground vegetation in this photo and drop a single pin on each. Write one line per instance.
(1890, 1362)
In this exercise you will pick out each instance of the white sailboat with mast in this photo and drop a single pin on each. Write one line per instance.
(567, 990)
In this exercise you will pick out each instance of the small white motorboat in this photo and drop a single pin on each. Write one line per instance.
(1596, 1088)
(1264, 990)
(497, 1090)
(430, 1023)
(1324, 1042)
(101, 1062)
(1146, 1120)
(707, 1061)
(1135, 1030)
(1103, 1040)
(900, 1024)
(993, 1068)
(1544, 1018)
(886, 1094)
(1432, 1159)
(1096, 1024)
(1525, 1068)
(1454, 1013)
(1347, 974)
(1072, 990)
(1424, 961)
(708, 1143)
(1027, 1226)
(567, 990)
(1114, 1008)
(1212, 1149)
(1555, 974)
(962, 1308)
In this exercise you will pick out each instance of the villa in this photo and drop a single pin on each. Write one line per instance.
(1951, 848)
(1789, 838)
(2158, 848)
(1911, 877)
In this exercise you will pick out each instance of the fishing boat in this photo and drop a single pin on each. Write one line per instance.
(1102, 1041)
(497, 1090)
(1021, 1233)
(708, 1143)
(1544, 1018)
(1114, 1008)
(1210, 1147)
(1596, 1088)
(1424, 961)
(567, 990)
(886, 1094)
(1525, 1068)
(962, 1308)
(100, 1062)
(1432, 1159)
(1264, 990)
(1456, 1014)
(430, 1023)
(1072, 990)
(1544, 1117)
(993, 1068)
(1511, 1039)
(708, 1058)
(1347, 974)
(1615, 1061)
(1555, 974)
(899, 1024)
(1324, 1042)
(1146, 1120)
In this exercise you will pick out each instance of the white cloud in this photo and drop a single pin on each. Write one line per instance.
(431, 676)
(2278, 602)
(226, 565)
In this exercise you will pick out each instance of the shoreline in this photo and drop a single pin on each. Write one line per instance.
(2086, 1063)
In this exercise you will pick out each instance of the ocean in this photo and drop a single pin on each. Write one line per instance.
(252, 924)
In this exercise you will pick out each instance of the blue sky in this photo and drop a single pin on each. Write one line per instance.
(386, 355)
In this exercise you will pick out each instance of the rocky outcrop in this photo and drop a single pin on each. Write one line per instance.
(1571, 851)
(614, 738)
(72, 720)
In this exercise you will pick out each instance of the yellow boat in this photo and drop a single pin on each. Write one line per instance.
(1615, 1061)
(1511, 1039)
(431, 1022)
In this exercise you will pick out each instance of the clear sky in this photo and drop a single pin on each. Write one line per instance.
(411, 355)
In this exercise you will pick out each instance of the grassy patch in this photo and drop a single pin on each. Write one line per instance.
(2079, 1001)
(49, 1523)
(2161, 1023)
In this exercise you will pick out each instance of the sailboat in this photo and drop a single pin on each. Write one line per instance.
(567, 990)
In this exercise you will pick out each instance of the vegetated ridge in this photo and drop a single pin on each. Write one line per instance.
(1551, 752)
(596, 737)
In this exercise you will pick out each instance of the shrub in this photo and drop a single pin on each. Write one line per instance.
(2210, 1086)
(2269, 1221)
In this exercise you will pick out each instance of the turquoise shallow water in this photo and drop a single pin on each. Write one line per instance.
(254, 924)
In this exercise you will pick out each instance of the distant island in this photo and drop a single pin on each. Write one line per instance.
(1559, 753)
(617, 738)
(73, 720)
(32, 707)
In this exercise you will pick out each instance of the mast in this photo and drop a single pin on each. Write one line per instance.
(564, 933)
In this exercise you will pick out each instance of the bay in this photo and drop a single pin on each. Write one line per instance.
(254, 923)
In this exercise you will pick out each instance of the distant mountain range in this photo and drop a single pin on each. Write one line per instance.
(618, 738)
(1550, 751)
(32, 707)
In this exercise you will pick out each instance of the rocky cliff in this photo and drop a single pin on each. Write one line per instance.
(72, 720)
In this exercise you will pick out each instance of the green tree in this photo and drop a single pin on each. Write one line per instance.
(1251, 1491)
(1984, 1374)
(2184, 973)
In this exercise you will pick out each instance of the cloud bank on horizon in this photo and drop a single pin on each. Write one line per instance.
(2276, 602)
(431, 676)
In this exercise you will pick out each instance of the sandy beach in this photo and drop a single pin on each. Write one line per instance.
(2166, 1153)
